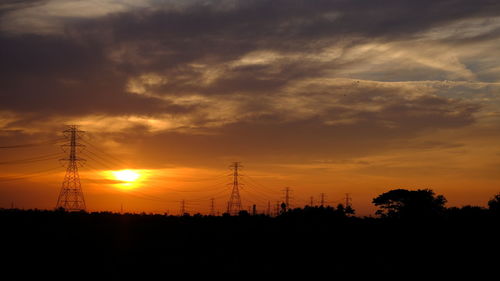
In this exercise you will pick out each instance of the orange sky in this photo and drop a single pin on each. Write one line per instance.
(313, 96)
(461, 178)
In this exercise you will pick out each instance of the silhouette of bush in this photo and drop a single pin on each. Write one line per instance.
(243, 213)
(494, 204)
(466, 213)
(350, 211)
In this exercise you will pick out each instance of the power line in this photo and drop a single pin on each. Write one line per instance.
(102, 161)
(113, 158)
(267, 189)
(34, 144)
(254, 195)
(44, 157)
(32, 175)
(258, 190)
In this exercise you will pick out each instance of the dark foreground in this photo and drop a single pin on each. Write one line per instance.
(104, 246)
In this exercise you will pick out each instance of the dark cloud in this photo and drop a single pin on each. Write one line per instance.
(87, 68)
(56, 76)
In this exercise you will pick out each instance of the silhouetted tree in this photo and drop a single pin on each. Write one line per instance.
(344, 211)
(466, 213)
(349, 210)
(494, 204)
(283, 207)
(402, 203)
(340, 209)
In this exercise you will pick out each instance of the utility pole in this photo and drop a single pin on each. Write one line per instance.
(277, 208)
(71, 195)
(287, 197)
(322, 200)
(212, 207)
(311, 203)
(234, 204)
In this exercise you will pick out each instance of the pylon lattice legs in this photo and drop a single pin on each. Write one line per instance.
(71, 196)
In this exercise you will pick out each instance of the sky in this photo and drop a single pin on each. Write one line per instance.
(332, 97)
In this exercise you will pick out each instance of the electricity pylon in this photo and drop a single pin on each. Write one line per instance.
(322, 200)
(287, 197)
(234, 204)
(212, 207)
(348, 200)
(183, 207)
(71, 195)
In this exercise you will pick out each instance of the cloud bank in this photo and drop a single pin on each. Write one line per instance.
(314, 79)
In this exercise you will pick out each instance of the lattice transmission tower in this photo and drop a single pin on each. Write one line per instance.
(183, 207)
(212, 206)
(71, 195)
(287, 198)
(234, 204)
(348, 200)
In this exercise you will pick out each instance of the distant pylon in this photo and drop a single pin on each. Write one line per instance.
(71, 195)
(348, 200)
(311, 203)
(212, 207)
(268, 208)
(183, 207)
(234, 204)
(287, 198)
(322, 196)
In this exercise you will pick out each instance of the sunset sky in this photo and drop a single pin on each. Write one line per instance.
(333, 97)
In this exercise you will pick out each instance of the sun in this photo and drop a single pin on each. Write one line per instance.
(126, 175)
(127, 179)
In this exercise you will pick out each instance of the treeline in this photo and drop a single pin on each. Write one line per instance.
(413, 235)
(421, 204)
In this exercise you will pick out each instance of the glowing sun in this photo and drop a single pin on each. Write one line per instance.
(126, 175)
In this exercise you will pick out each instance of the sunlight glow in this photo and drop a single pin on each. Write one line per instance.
(126, 179)
(126, 175)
